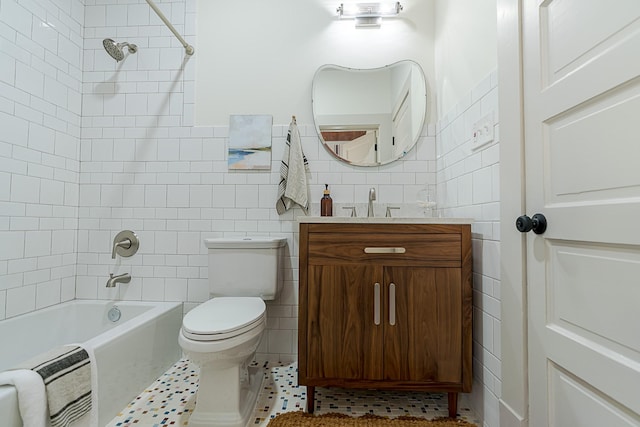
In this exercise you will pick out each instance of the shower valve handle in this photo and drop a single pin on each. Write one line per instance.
(125, 244)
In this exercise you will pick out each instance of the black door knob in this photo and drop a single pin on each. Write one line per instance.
(538, 223)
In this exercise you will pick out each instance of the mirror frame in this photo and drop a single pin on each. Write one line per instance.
(320, 128)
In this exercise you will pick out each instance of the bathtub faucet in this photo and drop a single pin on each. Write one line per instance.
(120, 278)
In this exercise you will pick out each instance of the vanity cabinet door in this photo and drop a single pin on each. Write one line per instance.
(343, 340)
(423, 325)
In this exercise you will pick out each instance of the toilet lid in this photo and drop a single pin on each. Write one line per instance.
(223, 317)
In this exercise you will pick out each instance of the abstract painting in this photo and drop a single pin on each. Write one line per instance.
(250, 142)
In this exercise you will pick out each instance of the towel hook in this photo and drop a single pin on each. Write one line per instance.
(293, 119)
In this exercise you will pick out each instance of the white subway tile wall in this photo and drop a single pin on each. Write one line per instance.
(468, 186)
(90, 147)
(41, 48)
(133, 160)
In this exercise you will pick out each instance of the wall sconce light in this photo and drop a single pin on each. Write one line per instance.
(368, 15)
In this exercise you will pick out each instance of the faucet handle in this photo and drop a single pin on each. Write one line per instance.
(125, 244)
(388, 214)
(353, 210)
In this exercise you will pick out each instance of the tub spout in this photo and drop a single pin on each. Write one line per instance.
(121, 278)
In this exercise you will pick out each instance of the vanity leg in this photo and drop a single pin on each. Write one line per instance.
(310, 399)
(453, 405)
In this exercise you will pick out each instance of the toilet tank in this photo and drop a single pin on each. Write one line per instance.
(245, 266)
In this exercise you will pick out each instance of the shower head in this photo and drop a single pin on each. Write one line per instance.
(115, 49)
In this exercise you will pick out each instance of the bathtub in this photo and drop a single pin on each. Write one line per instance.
(130, 353)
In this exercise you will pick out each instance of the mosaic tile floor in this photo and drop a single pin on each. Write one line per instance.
(171, 398)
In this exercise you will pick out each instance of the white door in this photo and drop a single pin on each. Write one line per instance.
(362, 150)
(581, 62)
(402, 139)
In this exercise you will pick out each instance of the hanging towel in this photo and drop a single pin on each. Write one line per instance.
(293, 186)
(32, 400)
(66, 373)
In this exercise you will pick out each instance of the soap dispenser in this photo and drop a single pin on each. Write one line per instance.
(326, 204)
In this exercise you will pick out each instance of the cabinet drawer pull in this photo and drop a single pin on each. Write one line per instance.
(376, 304)
(392, 304)
(384, 250)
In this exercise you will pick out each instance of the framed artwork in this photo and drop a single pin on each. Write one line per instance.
(249, 142)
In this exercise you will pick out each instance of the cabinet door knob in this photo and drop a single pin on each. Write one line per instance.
(392, 304)
(376, 304)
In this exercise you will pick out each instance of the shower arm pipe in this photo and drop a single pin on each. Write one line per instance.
(187, 47)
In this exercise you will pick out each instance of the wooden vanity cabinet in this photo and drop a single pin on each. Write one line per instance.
(385, 306)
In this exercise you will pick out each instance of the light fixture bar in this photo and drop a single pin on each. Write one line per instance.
(358, 10)
(368, 21)
(368, 14)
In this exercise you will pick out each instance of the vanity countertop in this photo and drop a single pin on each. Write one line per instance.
(381, 220)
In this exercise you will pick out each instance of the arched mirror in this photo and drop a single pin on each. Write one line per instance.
(369, 117)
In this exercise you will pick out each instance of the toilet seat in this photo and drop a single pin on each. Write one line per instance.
(223, 318)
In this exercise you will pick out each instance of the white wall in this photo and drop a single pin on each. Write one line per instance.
(336, 87)
(466, 48)
(40, 103)
(469, 187)
(134, 161)
(261, 56)
(468, 181)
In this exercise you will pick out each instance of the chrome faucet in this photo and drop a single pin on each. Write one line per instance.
(389, 208)
(372, 197)
(353, 210)
(121, 278)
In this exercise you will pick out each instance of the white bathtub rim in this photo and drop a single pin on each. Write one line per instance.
(155, 308)
(158, 308)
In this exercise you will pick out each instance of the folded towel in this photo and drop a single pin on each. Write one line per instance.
(66, 372)
(293, 186)
(32, 401)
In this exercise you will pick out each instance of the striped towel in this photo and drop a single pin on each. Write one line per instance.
(293, 186)
(66, 372)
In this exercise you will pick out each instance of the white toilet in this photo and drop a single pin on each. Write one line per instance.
(222, 334)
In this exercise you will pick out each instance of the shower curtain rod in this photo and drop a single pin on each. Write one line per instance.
(187, 47)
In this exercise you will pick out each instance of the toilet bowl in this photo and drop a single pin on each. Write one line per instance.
(222, 334)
